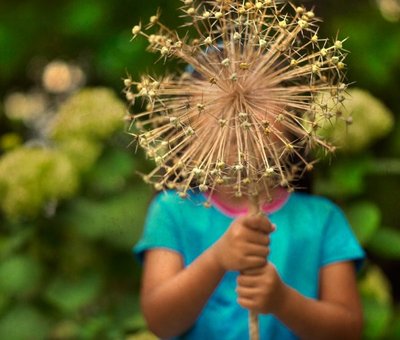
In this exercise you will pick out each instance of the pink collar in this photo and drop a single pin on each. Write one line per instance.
(281, 197)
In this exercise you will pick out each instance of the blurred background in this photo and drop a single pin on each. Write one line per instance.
(71, 206)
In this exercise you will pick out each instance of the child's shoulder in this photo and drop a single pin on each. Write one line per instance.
(307, 209)
(312, 202)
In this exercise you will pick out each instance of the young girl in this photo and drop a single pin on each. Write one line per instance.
(266, 82)
(294, 264)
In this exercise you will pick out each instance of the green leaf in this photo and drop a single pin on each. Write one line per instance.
(129, 315)
(377, 303)
(69, 296)
(95, 327)
(23, 275)
(83, 18)
(377, 318)
(365, 218)
(144, 335)
(12, 49)
(23, 322)
(65, 329)
(111, 171)
(137, 322)
(386, 243)
(4, 301)
(11, 244)
(376, 286)
(118, 220)
(10, 141)
(345, 178)
(394, 332)
(124, 232)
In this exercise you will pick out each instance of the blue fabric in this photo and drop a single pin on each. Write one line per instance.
(312, 232)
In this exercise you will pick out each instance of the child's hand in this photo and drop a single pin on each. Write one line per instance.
(261, 290)
(245, 245)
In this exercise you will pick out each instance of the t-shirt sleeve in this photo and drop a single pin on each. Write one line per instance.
(340, 243)
(160, 228)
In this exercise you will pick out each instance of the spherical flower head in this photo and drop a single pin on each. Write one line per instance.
(245, 113)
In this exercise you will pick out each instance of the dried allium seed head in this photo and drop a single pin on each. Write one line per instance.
(218, 15)
(283, 24)
(191, 11)
(208, 41)
(136, 30)
(247, 113)
(314, 38)
(338, 44)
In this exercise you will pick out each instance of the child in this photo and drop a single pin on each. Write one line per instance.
(266, 83)
(294, 264)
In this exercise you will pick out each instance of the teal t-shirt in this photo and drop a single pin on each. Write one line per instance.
(312, 232)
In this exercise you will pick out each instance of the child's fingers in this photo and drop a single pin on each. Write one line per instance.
(253, 262)
(247, 303)
(246, 292)
(256, 237)
(249, 278)
(258, 222)
(257, 250)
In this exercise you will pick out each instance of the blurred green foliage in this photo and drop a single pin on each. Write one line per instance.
(70, 212)
(71, 205)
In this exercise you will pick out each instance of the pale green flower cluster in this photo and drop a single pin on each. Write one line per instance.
(363, 120)
(33, 177)
(82, 152)
(91, 114)
(83, 121)
(30, 177)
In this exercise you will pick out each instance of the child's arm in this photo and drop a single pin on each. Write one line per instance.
(172, 296)
(336, 315)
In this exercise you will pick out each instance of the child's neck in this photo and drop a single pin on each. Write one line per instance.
(237, 206)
